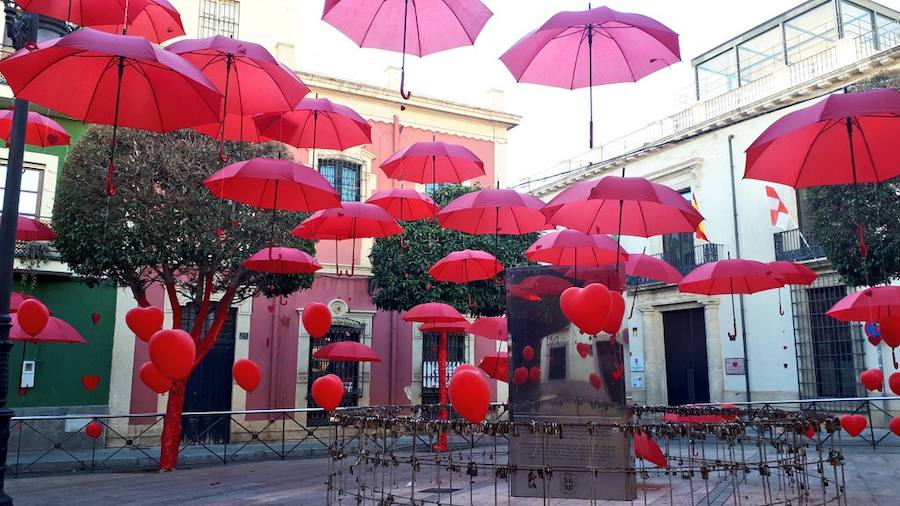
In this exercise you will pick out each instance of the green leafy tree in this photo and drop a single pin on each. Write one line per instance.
(837, 211)
(163, 227)
(400, 264)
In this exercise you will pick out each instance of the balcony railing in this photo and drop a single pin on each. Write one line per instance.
(38, 251)
(684, 260)
(797, 245)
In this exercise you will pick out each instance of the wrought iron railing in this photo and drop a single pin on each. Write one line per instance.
(684, 260)
(797, 245)
(39, 251)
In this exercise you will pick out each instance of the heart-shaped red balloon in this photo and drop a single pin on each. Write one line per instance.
(90, 382)
(172, 351)
(595, 380)
(616, 313)
(872, 379)
(316, 319)
(534, 374)
(528, 353)
(520, 375)
(894, 425)
(246, 374)
(32, 316)
(587, 308)
(144, 321)
(328, 391)
(584, 349)
(154, 379)
(95, 318)
(93, 430)
(853, 424)
(894, 383)
(470, 395)
(889, 328)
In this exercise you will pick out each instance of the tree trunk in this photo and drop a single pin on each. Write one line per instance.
(170, 441)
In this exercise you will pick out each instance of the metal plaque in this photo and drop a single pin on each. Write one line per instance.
(734, 366)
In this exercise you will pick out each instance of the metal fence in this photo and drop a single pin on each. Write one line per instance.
(685, 260)
(797, 245)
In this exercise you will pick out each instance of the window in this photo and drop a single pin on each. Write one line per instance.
(456, 356)
(30, 195)
(431, 188)
(678, 249)
(810, 33)
(219, 17)
(888, 31)
(717, 75)
(556, 369)
(855, 21)
(760, 56)
(344, 175)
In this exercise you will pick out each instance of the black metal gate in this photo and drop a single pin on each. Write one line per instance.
(456, 355)
(687, 368)
(209, 388)
(342, 329)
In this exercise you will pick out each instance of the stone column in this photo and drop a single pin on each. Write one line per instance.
(654, 356)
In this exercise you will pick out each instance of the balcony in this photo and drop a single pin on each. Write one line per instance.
(797, 245)
(36, 251)
(684, 260)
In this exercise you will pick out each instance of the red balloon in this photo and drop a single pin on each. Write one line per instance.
(528, 353)
(853, 424)
(587, 308)
(894, 383)
(246, 373)
(467, 367)
(616, 313)
(93, 429)
(144, 321)
(154, 379)
(534, 374)
(172, 351)
(895, 425)
(316, 319)
(872, 379)
(33, 316)
(889, 328)
(328, 391)
(584, 349)
(520, 375)
(810, 431)
(470, 395)
(595, 380)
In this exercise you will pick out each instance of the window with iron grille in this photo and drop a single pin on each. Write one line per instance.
(344, 175)
(678, 249)
(456, 356)
(342, 329)
(829, 352)
(219, 17)
(30, 193)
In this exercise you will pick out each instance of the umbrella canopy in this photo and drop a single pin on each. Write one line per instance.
(622, 205)
(86, 12)
(496, 366)
(353, 220)
(869, 305)
(56, 331)
(460, 327)
(347, 351)
(405, 204)
(316, 123)
(650, 267)
(571, 247)
(30, 229)
(491, 327)
(39, 130)
(597, 46)
(494, 211)
(534, 287)
(273, 184)
(647, 449)
(465, 266)
(281, 260)
(433, 312)
(433, 162)
(842, 139)
(732, 276)
(159, 21)
(17, 298)
(792, 274)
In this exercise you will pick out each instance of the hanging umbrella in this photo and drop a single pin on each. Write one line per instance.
(274, 184)
(86, 12)
(496, 366)
(791, 274)
(30, 229)
(433, 162)
(159, 21)
(405, 204)
(39, 130)
(843, 139)
(534, 287)
(465, 266)
(347, 351)
(280, 260)
(445, 327)
(428, 26)
(586, 48)
(251, 80)
(353, 220)
(433, 312)
(56, 331)
(645, 266)
(868, 305)
(122, 81)
(17, 298)
(575, 248)
(732, 276)
(493, 211)
(490, 327)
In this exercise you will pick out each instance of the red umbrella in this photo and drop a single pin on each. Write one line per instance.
(280, 260)
(571, 247)
(433, 162)
(428, 26)
(39, 131)
(56, 331)
(251, 80)
(843, 139)
(791, 274)
(347, 351)
(150, 88)
(647, 449)
(17, 298)
(30, 229)
(465, 266)
(496, 366)
(159, 21)
(405, 204)
(86, 12)
(353, 220)
(433, 312)
(533, 287)
(445, 327)
(491, 327)
(274, 184)
(494, 211)
(650, 267)
(868, 305)
(597, 46)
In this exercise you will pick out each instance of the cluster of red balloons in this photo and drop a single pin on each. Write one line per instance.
(33, 316)
(593, 309)
(316, 319)
(328, 391)
(469, 393)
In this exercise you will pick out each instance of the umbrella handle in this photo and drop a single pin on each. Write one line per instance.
(222, 156)
(110, 184)
(633, 303)
(403, 243)
(403, 93)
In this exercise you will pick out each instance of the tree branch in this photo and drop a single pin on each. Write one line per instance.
(222, 310)
(171, 291)
(203, 310)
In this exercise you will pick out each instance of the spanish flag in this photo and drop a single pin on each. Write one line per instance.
(701, 228)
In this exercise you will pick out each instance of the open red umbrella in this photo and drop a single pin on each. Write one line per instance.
(490, 327)
(39, 130)
(56, 331)
(30, 229)
(868, 305)
(405, 204)
(122, 81)
(17, 298)
(791, 274)
(433, 312)
(251, 80)
(274, 184)
(433, 162)
(650, 267)
(159, 21)
(494, 211)
(417, 27)
(496, 366)
(353, 220)
(86, 12)
(460, 327)
(597, 46)
(281, 260)
(347, 351)
(465, 266)
(575, 248)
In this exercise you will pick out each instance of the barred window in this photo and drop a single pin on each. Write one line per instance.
(344, 175)
(219, 17)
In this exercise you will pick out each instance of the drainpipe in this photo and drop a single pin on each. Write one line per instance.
(393, 365)
(737, 252)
